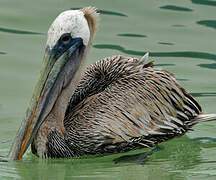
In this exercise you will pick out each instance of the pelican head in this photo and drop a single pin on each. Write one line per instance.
(68, 42)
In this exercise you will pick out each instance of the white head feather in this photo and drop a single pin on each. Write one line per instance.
(71, 21)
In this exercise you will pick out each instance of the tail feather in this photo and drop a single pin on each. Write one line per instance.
(202, 118)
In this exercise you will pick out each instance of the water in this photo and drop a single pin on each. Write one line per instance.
(180, 36)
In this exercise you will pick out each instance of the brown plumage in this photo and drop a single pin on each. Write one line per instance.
(121, 105)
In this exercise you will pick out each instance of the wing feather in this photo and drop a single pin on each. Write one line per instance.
(120, 100)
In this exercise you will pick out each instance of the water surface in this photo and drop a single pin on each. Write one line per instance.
(180, 36)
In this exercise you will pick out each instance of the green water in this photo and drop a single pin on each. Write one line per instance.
(180, 36)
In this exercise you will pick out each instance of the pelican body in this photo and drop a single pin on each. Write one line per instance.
(118, 104)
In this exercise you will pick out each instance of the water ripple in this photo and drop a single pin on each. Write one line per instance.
(164, 64)
(3, 159)
(178, 25)
(208, 23)
(204, 94)
(189, 54)
(2, 52)
(207, 139)
(209, 66)
(181, 79)
(111, 13)
(17, 31)
(166, 43)
(204, 2)
(105, 12)
(132, 35)
(175, 8)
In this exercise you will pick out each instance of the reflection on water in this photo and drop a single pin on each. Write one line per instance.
(208, 23)
(132, 35)
(191, 54)
(166, 43)
(203, 94)
(175, 8)
(209, 66)
(204, 2)
(139, 158)
(178, 154)
(106, 12)
(17, 31)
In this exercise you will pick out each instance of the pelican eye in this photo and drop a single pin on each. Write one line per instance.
(66, 38)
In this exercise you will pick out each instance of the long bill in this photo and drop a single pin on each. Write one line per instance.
(56, 64)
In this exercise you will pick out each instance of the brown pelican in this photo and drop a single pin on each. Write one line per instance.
(120, 103)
